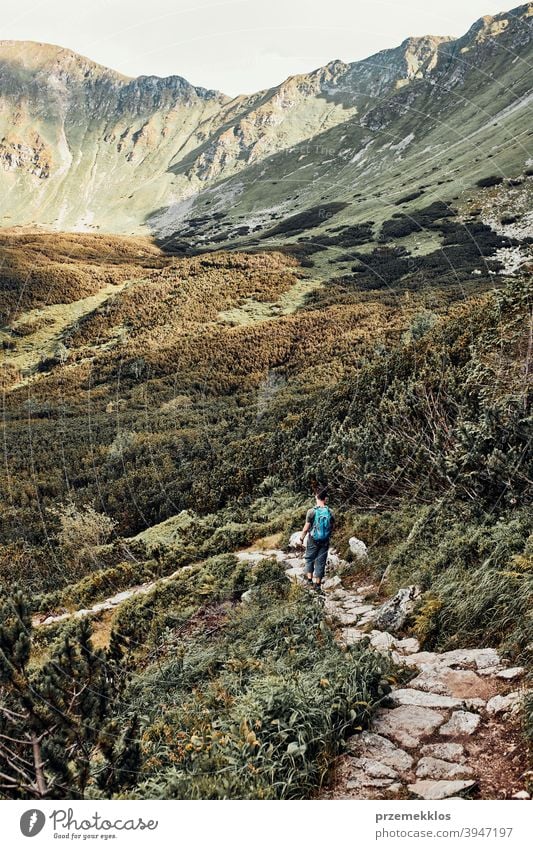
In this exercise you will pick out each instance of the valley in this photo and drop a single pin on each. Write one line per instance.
(208, 306)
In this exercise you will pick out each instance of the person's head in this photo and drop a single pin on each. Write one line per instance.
(321, 494)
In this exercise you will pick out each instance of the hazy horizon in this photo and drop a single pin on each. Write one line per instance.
(237, 46)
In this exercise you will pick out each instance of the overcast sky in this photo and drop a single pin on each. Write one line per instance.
(238, 45)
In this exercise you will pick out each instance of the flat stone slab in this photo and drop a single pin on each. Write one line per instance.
(409, 645)
(331, 583)
(419, 697)
(453, 752)
(459, 683)
(350, 636)
(437, 769)
(423, 659)
(407, 725)
(511, 674)
(382, 641)
(374, 768)
(427, 789)
(461, 722)
(504, 704)
(346, 617)
(481, 658)
(374, 746)
(294, 572)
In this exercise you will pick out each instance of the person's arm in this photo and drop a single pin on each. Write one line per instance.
(305, 530)
(309, 519)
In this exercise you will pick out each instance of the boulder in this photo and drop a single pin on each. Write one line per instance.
(504, 704)
(439, 789)
(358, 548)
(407, 725)
(429, 767)
(392, 615)
(295, 541)
(461, 722)
(444, 751)
(522, 794)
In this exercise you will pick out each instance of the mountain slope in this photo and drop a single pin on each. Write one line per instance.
(83, 147)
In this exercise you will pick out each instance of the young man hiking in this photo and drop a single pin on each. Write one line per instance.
(319, 521)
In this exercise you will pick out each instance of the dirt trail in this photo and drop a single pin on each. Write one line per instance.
(452, 729)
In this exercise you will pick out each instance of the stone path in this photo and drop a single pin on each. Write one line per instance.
(451, 729)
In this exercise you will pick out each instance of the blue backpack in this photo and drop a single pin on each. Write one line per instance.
(321, 529)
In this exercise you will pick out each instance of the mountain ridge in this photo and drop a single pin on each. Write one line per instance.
(83, 147)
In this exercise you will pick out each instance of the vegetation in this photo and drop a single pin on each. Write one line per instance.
(168, 438)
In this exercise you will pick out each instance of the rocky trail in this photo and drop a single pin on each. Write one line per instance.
(452, 729)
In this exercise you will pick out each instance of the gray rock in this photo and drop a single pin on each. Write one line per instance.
(295, 562)
(461, 722)
(374, 768)
(453, 752)
(425, 660)
(361, 779)
(460, 683)
(347, 617)
(382, 640)
(522, 794)
(358, 548)
(481, 658)
(368, 589)
(419, 697)
(510, 674)
(334, 561)
(349, 636)
(371, 745)
(392, 615)
(331, 583)
(407, 725)
(295, 540)
(504, 704)
(435, 768)
(409, 645)
(427, 789)
(474, 704)
(250, 556)
(248, 596)
(367, 618)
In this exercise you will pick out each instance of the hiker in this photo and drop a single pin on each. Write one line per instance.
(319, 522)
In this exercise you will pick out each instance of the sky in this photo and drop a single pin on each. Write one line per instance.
(236, 46)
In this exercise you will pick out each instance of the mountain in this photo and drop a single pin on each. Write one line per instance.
(169, 404)
(85, 148)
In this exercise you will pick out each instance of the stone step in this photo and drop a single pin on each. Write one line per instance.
(427, 789)
(407, 725)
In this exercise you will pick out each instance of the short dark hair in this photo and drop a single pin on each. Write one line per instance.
(321, 492)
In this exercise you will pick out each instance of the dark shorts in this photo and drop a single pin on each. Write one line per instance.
(316, 554)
